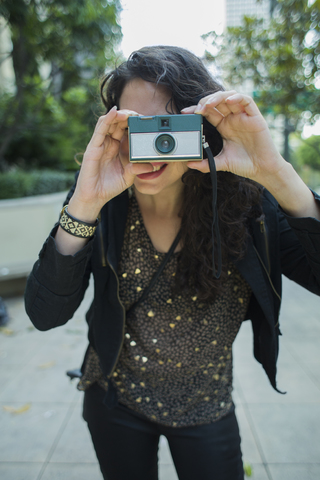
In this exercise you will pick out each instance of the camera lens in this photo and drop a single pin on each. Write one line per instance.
(165, 143)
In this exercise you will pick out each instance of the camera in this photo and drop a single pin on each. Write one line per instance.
(165, 138)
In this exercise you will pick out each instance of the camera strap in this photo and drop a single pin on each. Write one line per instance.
(215, 219)
(157, 274)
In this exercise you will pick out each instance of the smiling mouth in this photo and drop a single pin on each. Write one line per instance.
(158, 166)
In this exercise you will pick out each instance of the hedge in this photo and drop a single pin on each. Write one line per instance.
(19, 183)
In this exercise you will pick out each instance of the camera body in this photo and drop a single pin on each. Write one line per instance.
(164, 138)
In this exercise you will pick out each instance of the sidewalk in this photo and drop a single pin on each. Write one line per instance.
(43, 436)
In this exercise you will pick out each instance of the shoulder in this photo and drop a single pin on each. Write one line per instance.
(272, 213)
(268, 200)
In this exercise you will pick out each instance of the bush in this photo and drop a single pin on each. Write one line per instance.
(17, 183)
(308, 152)
(56, 133)
(60, 50)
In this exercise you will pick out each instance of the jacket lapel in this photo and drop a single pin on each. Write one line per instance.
(252, 271)
(117, 217)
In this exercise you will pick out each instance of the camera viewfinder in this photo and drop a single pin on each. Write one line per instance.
(164, 124)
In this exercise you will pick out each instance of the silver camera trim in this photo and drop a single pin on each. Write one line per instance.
(144, 142)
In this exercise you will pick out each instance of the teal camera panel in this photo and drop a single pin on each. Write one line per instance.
(165, 138)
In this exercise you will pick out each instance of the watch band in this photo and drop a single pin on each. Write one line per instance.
(76, 227)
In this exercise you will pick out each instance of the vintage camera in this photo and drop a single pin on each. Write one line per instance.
(165, 138)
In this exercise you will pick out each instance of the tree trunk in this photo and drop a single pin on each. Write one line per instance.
(23, 63)
(288, 128)
(286, 133)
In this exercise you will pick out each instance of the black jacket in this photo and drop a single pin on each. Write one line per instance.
(279, 245)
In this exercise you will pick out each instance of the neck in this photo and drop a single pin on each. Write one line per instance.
(161, 205)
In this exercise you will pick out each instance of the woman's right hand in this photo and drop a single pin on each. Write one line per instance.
(105, 170)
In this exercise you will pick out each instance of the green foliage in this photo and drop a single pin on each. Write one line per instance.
(74, 37)
(247, 469)
(57, 129)
(59, 51)
(308, 153)
(281, 57)
(18, 183)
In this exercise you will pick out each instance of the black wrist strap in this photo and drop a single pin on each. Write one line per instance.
(215, 219)
(157, 274)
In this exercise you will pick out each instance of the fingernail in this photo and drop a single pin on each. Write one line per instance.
(114, 108)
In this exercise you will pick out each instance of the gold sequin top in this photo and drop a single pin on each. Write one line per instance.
(175, 366)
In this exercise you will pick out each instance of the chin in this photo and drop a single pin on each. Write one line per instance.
(147, 189)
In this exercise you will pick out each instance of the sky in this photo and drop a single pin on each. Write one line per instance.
(169, 22)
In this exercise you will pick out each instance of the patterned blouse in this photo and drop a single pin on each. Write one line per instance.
(175, 366)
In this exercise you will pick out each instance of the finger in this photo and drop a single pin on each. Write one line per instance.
(222, 108)
(215, 98)
(228, 102)
(212, 115)
(202, 166)
(113, 124)
(239, 103)
(117, 130)
(102, 128)
(189, 110)
(213, 104)
(119, 125)
(216, 104)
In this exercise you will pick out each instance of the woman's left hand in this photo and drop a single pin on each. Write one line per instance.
(248, 149)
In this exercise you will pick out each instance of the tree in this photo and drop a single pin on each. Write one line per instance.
(308, 153)
(280, 57)
(59, 50)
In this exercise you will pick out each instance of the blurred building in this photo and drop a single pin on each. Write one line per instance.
(236, 9)
(6, 67)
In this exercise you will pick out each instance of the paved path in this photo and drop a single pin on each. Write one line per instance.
(48, 440)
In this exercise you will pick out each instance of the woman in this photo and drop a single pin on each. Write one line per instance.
(164, 365)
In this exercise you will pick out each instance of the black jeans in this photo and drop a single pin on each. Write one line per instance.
(126, 444)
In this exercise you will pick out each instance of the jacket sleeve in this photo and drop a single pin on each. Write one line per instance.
(57, 283)
(300, 250)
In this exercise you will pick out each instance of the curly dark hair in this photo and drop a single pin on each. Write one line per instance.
(187, 79)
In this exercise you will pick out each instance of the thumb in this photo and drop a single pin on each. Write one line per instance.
(220, 162)
(202, 166)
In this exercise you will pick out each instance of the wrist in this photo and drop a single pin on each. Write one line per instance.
(277, 183)
(83, 211)
(292, 194)
(69, 244)
(76, 227)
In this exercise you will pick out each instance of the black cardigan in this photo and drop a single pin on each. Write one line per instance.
(279, 245)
